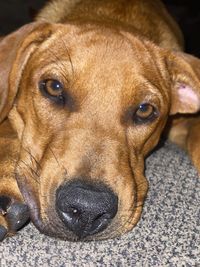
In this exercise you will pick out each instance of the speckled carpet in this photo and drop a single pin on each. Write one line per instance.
(168, 233)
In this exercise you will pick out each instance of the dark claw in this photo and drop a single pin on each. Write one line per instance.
(4, 203)
(3, 232)
(17, 215)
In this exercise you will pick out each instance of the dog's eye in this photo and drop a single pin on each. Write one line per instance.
(145, 113)
(53, 89)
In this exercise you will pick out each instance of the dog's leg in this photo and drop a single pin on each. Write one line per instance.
(185, 133)
(193, 142)
(13, 212)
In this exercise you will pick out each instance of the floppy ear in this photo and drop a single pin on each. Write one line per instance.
(185, 78)
(15, 49)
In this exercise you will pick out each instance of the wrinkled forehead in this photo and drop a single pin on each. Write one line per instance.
(88, 44)
(94, 56)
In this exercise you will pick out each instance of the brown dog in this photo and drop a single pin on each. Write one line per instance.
(85, 93)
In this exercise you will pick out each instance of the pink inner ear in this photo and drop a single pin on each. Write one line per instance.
(188, 98)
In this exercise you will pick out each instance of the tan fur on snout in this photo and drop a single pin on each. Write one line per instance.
(111, 57)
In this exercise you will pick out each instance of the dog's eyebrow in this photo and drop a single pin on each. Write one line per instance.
(68, 52)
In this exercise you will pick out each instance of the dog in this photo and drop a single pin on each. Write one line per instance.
(86, 91)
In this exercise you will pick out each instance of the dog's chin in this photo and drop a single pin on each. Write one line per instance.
(55, 233)
(49, 223)
(66, 235)
(54, 228)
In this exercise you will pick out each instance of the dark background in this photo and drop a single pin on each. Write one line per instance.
(14, 13)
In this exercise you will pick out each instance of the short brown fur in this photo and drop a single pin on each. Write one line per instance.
(111, 57)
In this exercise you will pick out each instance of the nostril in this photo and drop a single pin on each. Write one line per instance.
(83, 224)
(70, 214)
(100, 223)
(86, 209)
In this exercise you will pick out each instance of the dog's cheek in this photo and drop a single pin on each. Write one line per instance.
(16, 121)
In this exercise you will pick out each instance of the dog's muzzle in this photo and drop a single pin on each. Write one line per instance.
(85, 208)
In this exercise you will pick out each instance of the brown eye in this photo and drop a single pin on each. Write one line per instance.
(53, 89)
(144, 113)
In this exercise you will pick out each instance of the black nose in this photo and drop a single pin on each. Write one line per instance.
(86, 208)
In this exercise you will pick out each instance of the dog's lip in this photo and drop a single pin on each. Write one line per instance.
(51, 225)
(54, 227)
(30, 200)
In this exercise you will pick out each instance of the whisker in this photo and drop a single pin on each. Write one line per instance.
(58, 62)
(32, 172)
(59, 164)
(32, 158)
(69, 56)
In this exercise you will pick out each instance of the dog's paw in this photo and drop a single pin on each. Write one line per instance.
(13, 215)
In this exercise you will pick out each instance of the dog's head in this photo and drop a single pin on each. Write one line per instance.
(88, 104)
